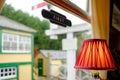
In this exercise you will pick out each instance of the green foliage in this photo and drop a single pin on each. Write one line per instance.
(8, 10)
(81, 37)
(40, 39)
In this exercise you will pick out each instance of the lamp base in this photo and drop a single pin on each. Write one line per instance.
(96, 76)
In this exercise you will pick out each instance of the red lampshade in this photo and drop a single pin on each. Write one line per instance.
(95, 55)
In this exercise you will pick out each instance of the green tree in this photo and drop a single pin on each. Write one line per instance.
(81, 36)
(41, 40)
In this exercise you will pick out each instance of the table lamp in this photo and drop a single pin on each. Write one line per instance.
(95, 55)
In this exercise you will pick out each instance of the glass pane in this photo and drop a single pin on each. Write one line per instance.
(21, 47)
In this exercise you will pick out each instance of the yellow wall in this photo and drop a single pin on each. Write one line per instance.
(17, 32)
(25, 72)
(7, 58)
(55, 67)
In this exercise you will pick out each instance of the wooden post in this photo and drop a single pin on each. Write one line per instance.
(1, 4)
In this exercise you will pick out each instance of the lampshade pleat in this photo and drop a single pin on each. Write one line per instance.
(95, 54)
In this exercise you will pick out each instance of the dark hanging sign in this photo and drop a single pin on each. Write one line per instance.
(56, 18)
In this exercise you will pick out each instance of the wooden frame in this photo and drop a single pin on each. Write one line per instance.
(70, 7)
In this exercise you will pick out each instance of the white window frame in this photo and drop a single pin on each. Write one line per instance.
(10, 38)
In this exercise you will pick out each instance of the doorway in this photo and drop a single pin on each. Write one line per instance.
(40, 67)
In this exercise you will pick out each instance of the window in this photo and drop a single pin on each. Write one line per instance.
(15, 43)
(24, 43)
(9, 41)
(8, 72)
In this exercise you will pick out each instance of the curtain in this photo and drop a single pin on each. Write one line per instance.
(100, 18)
(100, 23)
